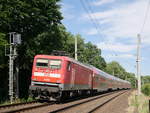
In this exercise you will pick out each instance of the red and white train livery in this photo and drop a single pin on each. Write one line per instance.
(57, 76)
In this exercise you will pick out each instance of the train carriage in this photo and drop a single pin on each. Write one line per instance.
(103, 81)
(54, 77)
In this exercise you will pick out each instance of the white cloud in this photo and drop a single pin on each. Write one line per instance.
(66, 8)
(124, 21)
(92, 32)
(116, 47)
(102, 2)
(124, 56)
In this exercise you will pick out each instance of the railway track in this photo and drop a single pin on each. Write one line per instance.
(16, 104)
(84, 105)
(22, 107)
(89, 105)
(102, 104)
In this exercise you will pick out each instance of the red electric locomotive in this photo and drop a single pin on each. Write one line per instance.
(57, 76)
(54, 77)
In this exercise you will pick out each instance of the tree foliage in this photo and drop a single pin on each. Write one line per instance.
(3, 42)
(131, 78)
(3, 68)
(114, 68)
(87, 52)
(69, 46)
(92, 55)
(39, 23)
(146, 89)
(145, 79)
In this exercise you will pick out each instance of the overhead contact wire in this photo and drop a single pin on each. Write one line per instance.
(96, 24)
(145, 18)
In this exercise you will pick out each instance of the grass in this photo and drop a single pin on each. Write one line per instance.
(138, 104)
(17, 101)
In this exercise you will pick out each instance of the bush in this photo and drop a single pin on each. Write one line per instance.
(146, 89)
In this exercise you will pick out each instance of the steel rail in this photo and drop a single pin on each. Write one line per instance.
(16, 104)
(86, 101)
(104, 103)
(28, 108)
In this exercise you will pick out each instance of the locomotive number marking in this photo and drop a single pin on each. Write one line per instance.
(54, 75)
(38, 74)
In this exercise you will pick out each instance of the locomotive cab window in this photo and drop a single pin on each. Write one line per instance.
(69, 66)
(42, 63)
(55, 64)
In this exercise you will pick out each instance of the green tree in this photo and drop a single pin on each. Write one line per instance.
(114, 68)
(145, 79)
(69, 45)
(87, 52)
(39, 23)
(131, 78)
(92, 55)
(3, 42)
(3, 68)
(146, 89)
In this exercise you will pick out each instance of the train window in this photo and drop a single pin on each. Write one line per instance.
(42, 63)
(55, 64)
(69, 66)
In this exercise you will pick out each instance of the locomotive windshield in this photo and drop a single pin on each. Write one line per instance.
(42, 63)
(53, 64)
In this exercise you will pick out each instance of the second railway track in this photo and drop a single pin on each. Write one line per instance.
(84, 105)
(89, 105)
(22, 107)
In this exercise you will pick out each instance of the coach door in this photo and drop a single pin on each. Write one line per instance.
(73, 76)
(90, 81)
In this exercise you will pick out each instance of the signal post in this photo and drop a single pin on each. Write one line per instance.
(14, 40)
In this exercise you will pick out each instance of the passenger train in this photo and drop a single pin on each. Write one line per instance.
(55, 77)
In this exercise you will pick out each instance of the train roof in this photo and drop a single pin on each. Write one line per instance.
(96, 70)
(102, 73)
(65, 58)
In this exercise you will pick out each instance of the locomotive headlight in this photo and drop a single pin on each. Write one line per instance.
(58, 81)
(34, 79)
(38, 74)
(32, 83)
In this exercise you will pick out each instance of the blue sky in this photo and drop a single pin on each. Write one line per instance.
(118, 23)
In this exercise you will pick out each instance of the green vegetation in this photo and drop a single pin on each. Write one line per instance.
(18, 101)
(3, 68)
(87, 52)
(145, 79)
(146, 89)
(146, 85)
(138, 104)
(39, 23)
(114, 68)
